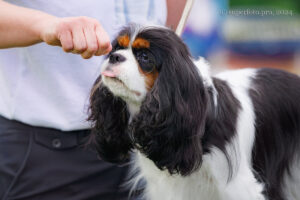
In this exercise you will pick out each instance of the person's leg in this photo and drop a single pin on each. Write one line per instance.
(42, 164)
(14, 150)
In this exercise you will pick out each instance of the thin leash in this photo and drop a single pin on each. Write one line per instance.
(186, 11)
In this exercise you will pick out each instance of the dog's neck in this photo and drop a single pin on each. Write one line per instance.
(222, 117)
(204, 71)
(222, 109)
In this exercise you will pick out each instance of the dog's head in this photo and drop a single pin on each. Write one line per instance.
(150, 96)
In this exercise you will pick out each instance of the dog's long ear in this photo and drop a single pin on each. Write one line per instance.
(171, 121)
(109, 116)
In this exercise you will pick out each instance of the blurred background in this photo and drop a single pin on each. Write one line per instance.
(235, 34)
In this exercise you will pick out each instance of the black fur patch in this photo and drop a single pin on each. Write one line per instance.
(109, 116)
(276, 100)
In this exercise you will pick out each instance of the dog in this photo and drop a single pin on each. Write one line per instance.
(234, 136)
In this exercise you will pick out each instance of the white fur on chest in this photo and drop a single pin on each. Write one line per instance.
(161, 185)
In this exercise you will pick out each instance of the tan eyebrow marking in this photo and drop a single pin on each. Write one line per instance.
(123, 40)
(140, 43)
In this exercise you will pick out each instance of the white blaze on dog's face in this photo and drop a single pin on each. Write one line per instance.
(129, 70)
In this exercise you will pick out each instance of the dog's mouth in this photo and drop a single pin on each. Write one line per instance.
(116, 79)
(119, 81)
(112, 76)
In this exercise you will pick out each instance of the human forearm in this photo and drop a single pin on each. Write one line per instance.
(20, 26)
(175, 9)
(23, 27)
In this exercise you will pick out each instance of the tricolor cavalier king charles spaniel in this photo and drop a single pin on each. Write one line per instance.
(234, 136)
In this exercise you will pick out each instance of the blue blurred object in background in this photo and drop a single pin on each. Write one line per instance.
(245, 33)
(203, 28)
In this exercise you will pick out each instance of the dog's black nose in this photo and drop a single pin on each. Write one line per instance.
(116, 58)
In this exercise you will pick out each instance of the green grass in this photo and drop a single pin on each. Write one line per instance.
(293, 5)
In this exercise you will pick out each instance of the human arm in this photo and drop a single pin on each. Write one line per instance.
(175, 9)
(21, 27)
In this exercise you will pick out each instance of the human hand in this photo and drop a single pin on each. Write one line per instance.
(79, 35)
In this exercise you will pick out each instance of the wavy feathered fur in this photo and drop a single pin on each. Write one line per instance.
(109, 116)
(171, 121)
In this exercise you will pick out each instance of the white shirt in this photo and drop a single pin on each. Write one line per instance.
(41, 85)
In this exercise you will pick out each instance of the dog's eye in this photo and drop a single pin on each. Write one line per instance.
(145, 59)
(142, 56)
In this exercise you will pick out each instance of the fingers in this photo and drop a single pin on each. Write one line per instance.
(103, 41)
(66, 41)
(79, 40)
(85, 36)
(91, 41)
